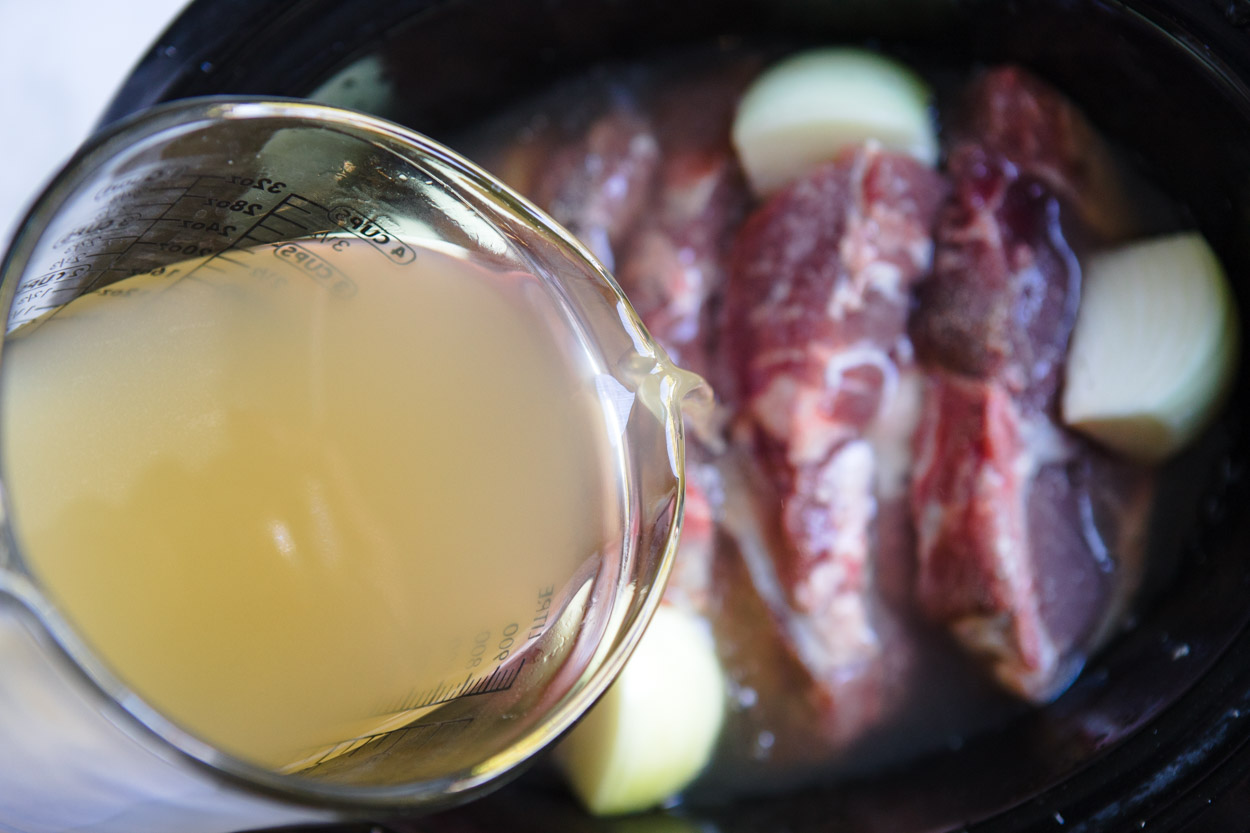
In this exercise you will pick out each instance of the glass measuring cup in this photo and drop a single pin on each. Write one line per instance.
(280, 193)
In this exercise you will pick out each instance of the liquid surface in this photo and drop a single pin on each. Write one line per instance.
(283, 503)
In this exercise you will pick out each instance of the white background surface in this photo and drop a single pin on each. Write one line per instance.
(60, 63)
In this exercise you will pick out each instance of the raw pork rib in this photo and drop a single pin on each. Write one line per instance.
(596, 186)
(656, 190)
(816, 315)
(674, 267)
(888, 344)
(1017, 520)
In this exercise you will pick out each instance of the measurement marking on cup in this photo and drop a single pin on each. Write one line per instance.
(317, 268)
(113, 266)
(223, 256)
(287, 202)
(373, 231)
(501, 679)
(140, 234)
(239, 243)
(290, 199)
(413, 737)
(287, 220)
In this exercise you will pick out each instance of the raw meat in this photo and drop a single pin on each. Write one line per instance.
(1011, 556)
(898, 518)
(592, 168)
(673, 268)
(597, 186)
(815, 329)
(656, 190)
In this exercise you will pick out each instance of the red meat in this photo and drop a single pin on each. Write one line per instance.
(816, 315)
(673, 269)
(1011, 556)
(597, 184)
